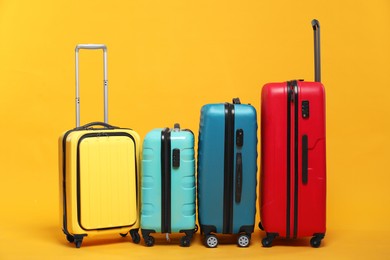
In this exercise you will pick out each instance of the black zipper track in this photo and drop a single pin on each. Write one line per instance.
(288, 164)
(97, 134)
(166, 181)
(228, 169)
(296, 153)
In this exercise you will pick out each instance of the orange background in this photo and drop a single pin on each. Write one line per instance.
(166, 60)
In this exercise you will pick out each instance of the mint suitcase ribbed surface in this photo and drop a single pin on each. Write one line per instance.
(168, 184)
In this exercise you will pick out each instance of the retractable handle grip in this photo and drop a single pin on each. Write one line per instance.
(105, 80)
(317, 53)
(90, 46)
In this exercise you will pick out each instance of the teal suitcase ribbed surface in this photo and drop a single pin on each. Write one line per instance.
(227, 171)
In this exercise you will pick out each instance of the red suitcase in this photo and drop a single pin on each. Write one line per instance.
(293, 164)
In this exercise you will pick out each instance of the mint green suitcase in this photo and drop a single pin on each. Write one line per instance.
(168, 184)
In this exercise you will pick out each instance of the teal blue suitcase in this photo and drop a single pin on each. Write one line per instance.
(168, 184)
(227, 171)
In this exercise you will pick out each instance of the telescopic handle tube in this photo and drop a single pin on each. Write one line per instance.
(105, 80)
(317, 53)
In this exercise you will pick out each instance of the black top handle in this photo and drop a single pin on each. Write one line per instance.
(90, 125)
(317, 54)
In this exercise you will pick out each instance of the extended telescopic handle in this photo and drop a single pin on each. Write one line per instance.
(90, 46)
(317, 54)
(105, 80)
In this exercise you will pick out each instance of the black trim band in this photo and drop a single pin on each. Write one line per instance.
(166, 181)
(288, 163)
(228, 169)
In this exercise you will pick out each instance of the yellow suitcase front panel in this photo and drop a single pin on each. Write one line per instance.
(106, 182)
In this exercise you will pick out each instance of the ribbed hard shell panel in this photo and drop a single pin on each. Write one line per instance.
(107, 181)
(99, 181)
(182, 182)
(211, 166)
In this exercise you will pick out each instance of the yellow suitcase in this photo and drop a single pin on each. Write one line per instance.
(99, 175)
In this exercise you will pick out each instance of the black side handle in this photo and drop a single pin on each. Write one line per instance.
(305, 162)
(240, 137)
(89, 125)
(238, 177)
(176, 158)
(317, 54)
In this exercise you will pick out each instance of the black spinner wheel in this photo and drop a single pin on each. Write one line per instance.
(70, 238)
(149, 241)
(267, 241)
(78, 242)
(185, 241)
(315, 241)
(135, 236)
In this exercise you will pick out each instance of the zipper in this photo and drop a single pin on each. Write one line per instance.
(228, 169)
(166, 180)
(292, 159)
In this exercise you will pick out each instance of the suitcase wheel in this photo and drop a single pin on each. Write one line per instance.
(123, 234)
(70, 238)
(149, 241)
(185, 241)
(211, 241)
(243, 240)
(315, 241)
(135, 236)
(78, 242)
(267, 241)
